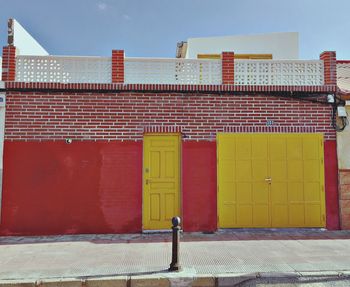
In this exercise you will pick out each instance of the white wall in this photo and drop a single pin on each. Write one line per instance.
(25, 43)
(343, 144)
(280, 45)
(343, 76)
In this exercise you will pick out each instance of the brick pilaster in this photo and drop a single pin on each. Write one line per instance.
(8, 63)
(118, 66)
(228, 68)
(330, 67)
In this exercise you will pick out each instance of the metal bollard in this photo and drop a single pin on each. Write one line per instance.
(175, 264)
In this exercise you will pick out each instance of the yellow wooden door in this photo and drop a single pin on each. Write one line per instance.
(161, 180)
(243, 193)
(270, 180)
(297, 187)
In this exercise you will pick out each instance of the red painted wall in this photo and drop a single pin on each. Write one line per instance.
(83, 187)
(96, 187)
(331, 184)
(199, 186)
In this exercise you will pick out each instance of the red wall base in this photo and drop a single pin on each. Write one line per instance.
(199, 186)
(83, 187)
(331, 185)
(96, 187)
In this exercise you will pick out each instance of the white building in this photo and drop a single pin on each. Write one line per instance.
(280, 45)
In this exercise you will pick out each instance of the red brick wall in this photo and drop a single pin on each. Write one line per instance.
(228, 67)
(125, 116)
(118, 66)
(330, 67)
(8, 63)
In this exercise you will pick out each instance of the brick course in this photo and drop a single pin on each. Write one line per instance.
(126, 116)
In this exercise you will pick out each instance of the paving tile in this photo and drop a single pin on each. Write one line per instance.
(261, 251)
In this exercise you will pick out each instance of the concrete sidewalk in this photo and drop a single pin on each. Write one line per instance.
(208, 260)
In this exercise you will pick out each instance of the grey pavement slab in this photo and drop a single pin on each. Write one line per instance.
(94, 256)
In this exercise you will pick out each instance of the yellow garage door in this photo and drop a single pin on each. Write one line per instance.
(270, 180)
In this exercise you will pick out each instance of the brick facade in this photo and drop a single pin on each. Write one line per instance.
(126, 116)
(102, 169)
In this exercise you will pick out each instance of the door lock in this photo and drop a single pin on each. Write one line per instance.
(268, 180)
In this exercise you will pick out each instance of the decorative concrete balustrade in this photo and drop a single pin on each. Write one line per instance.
(62, 69)
(279, 72)
(172, 71)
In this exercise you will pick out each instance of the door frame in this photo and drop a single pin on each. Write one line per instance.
(179, 137)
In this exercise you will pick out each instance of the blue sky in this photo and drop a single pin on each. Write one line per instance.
(151, 28)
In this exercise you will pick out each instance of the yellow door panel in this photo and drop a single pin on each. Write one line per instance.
(311, 171)
(279, 215)
(170, 206)
(270, 180)
(243, 146)
(312, 192)
(278, 170)
(278, 147)
(261, 216)
(228, 213)
(295, 192)
(279, 193)
(295, 170)
(259, 147)
(155, 163)
(243, 172)
(155, 206)
(296, 214)
(309, 144)
(161, 180)
(244, 193)
(294, 148)
(313, 215)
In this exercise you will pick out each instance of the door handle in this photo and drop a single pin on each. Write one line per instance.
(148, 181)
(268, 180)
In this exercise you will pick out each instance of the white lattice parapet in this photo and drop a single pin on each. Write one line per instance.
(279, 72)
(172, 71)
(62, 69)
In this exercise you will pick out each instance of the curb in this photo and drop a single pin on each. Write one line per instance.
(182, 280)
